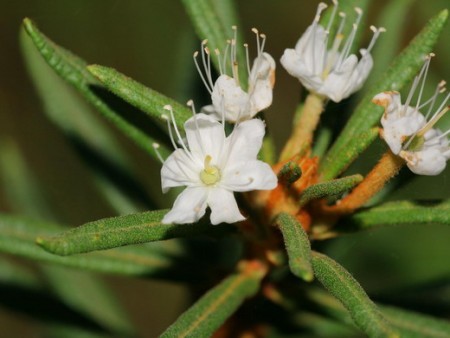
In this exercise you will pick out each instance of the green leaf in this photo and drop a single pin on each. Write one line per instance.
(297, 245)
(89, 296)
(329, 189)
(212, 24)
(211, 310)
(14, 274)
(17, 237)
(73, 69)
(346, 289)
(124, 230)
(400, 213)
(138, 95)
(367, 114)
(415, 325)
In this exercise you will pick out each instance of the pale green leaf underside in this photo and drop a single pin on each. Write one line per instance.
(367, 114)
(123, 230)
(210, 311)
(73, 69)
(347, 290)
(297, 246)
(400, 213)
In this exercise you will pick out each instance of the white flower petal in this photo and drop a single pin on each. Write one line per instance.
(248, 176)
(223, 206)
(261, 82)
(179, 170)
(244, 143)
(229, 98)
(430, 162)
(189, 206)
(207, 139)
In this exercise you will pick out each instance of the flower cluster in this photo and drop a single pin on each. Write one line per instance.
(211, 164)
(332, 72)
(410, 134)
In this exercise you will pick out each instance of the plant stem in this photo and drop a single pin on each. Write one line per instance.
(304, 128)
(388, 166)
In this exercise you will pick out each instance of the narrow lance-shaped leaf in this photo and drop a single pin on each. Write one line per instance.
(209, 24)
(17, 237)
(415, 325)
(138, 95)
(402, 70)
(297, 246)
(346, 289)
(73, 69)
(331, 188)
(399, 213)
(123, 230)
(211, 311)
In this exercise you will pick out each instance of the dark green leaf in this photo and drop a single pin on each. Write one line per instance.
(366, 115)
(331, 188)
(297, 245)
(138, 95)
(400, 213)
(73, 69)
(346, 289)
(123, 230)
(210, 311)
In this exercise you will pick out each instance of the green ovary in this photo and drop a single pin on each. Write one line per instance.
(211, 174)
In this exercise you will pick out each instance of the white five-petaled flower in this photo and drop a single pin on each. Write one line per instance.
(409, 134)
(229, 99)
(333, 73)
(212, 166)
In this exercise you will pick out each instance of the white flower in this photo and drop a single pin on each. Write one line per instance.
(212, 166)
(229, 100)
(333, 73)
(407, 132)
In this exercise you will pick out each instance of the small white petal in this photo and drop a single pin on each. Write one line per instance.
(430, 162)
(223, 206)
(248, 176)
(189, 206)
(244, 142)
(261, 82)
(229, 98)
(179, 170)
(207, 139)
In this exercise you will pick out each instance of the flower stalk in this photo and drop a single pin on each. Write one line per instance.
(388, 166)
(302, 135)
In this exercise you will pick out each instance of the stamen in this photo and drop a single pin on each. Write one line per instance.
(423, 81)
(158, 154)
(206, 63)
(169, 127)
(247, 57)
(190, 103)
(333, 14)
(168, 107)
(435, 118)
(320, 8)
(225, 56)
(349, 43)
(263, 42)
(376, 34)
(201, 74)
(440, 89)
(219, 61)
(336, 44)
(258, 47)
